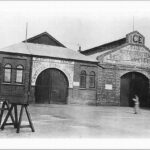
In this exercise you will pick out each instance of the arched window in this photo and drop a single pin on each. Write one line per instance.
(83, 79)
(7, 73)
(92, 79)
(19, 74)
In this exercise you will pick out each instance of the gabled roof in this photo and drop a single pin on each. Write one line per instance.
(51, 38)
(133, 32)
(46, 51)
(115, 44)
(104, 47)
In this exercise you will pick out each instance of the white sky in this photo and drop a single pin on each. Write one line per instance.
(71, 22)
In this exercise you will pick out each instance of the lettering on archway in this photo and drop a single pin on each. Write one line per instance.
(40, 64)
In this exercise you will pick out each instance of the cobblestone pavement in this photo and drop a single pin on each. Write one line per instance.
(72, 121)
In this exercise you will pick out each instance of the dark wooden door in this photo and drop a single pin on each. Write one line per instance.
(131, 84)
(125, 92)
(51, 87)
(139, 86)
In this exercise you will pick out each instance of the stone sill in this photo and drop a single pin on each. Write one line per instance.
(14, 84)
(92, 89)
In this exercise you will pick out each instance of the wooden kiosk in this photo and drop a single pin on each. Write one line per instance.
(15, 90)
(16, 117)
(16, 122)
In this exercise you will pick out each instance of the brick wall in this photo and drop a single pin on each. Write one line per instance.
(76, 95)
(110, 74)
(105, 74)
(106, 77)
(84, 95)
(13, 91)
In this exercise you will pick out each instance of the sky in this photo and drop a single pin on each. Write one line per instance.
(74, 23)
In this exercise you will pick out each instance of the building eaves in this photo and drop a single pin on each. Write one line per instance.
(104, 47)
(42, 50)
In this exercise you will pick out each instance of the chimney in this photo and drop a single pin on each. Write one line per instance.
(79, 48)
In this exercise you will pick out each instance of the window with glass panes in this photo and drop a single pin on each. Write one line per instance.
(83, 79)
(92, 80)
(19, 74)
(7, 73)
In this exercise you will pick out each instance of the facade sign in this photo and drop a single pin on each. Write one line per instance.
(130, 55)
(108, 86)
(40, 64)
(135, 38)
(76, 84)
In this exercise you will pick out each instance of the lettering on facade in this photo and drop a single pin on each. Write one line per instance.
(130, 55)
(40, 64)
(135, 38)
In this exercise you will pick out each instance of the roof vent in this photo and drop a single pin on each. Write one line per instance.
(79, 48)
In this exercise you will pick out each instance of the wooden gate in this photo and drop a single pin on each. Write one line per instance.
(134, 83)
(51, 87)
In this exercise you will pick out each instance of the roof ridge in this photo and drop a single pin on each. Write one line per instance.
(45, 32)
(107, 46)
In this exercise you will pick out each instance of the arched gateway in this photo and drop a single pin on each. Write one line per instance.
(51, 87)
(134, 83)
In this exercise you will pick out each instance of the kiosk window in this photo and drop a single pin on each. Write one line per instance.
(19, 74)
(7, 73)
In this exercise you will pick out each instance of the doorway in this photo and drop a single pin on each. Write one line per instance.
(134, 83)
(51, 87)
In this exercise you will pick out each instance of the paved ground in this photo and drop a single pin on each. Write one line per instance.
(71, 121)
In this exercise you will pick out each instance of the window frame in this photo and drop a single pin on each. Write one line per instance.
(5, 73)
(83, 74)
(19, 69)
(92, 75)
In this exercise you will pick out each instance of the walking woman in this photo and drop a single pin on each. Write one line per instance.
(136, 104)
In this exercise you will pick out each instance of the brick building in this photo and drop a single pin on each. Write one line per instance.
(123, 71)
(42, 70)
(48, 72)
